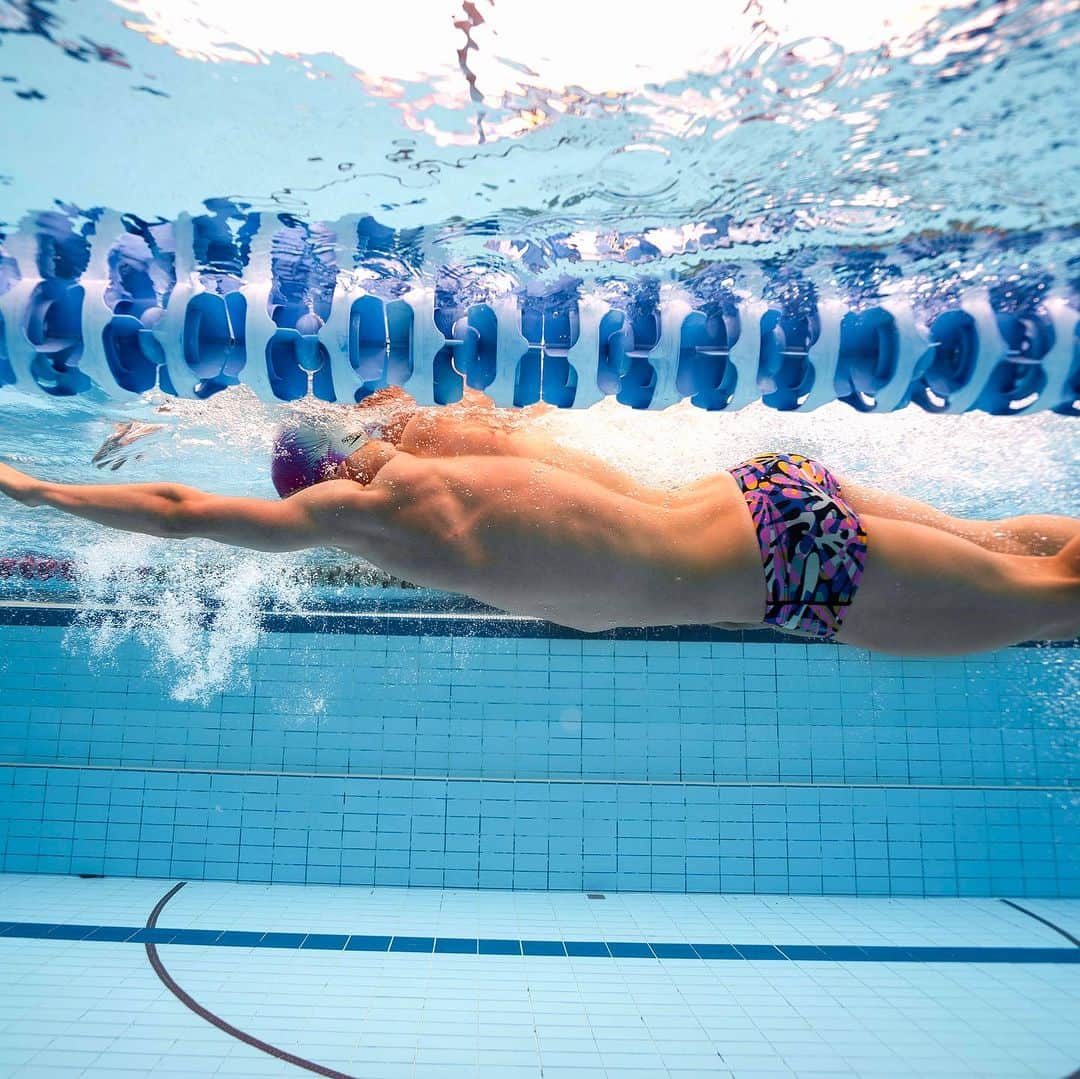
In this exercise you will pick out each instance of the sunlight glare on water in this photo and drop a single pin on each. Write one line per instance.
(532, 138)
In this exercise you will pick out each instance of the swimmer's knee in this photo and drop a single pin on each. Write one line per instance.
(1052, 588)
(1069, 558)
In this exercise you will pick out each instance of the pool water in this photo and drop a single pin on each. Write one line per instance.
(283, 813)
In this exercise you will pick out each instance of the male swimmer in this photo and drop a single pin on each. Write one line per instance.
(465, 500)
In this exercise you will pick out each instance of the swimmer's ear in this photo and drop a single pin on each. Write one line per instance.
(364, 465)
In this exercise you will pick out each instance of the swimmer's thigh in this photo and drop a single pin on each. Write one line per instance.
(926, 592)
(872, 500)
(1031, 534)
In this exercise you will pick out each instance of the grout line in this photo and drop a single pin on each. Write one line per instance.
(533, 627)
(398, 777)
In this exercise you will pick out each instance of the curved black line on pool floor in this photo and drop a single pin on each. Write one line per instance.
(202, 1012)
(1045, 921)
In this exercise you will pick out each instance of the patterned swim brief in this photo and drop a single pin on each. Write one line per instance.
(812, 543)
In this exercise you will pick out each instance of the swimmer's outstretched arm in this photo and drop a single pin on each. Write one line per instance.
(174, 511)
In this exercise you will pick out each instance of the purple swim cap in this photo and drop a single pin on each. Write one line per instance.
(304, 455)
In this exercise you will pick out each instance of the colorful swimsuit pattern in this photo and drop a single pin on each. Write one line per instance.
(813, 546)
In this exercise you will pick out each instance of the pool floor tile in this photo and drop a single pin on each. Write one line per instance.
(728, 986)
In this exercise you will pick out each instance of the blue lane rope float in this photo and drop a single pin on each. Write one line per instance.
(125, 307)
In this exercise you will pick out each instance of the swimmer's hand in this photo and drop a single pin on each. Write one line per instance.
(19, 486)
(112, 453)
(393, 408)
(471, 398)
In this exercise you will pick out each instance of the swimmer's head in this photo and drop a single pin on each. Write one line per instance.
(310, 451)
(305, 454)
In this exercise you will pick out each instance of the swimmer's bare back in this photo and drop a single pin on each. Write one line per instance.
(533, 539)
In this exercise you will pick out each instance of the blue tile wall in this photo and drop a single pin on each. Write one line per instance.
(560, 709)
(530, 834)
(535, 763)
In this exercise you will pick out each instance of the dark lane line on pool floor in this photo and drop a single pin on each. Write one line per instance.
(191, 1003)
(152, 934)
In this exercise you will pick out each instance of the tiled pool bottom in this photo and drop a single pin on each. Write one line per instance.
(899, 987)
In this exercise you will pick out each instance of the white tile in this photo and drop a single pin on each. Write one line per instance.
(403, 1014)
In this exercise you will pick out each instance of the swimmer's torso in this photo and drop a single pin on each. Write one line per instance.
(535, 540)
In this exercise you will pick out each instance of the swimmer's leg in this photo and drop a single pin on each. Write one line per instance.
(1033, 534)
(926, 592)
